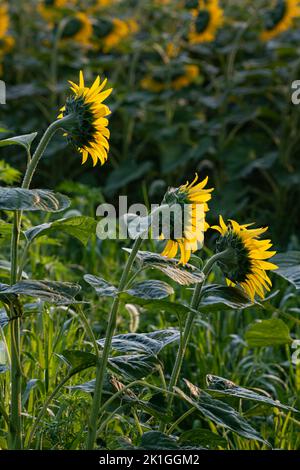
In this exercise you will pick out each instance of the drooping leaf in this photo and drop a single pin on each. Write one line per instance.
(143, 343)
(272, 332)
(79, 227)
(289, 266)
(49, 291)
(215, 297)
(151, 289)
(31, 384)
(102, 287)
(222, 386)
(219, 412)
(4, 320)
(22, 140)
(15, 199)
(79, 360)
(184, 275)
(133, 367)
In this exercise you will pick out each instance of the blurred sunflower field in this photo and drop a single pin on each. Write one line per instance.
(187, 341)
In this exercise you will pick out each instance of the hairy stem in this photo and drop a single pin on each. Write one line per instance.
(102, 363)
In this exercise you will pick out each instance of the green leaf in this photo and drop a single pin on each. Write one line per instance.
(273, 332)
(289, 266)
(215, 297)
(48, 291)
(79, 227)
(102, 287)
(4, 320)
(143, 343)
(15, 199)
(151, 289)
(184, 275)
(202, 437)
(133, 367)
(219, 412)
(8, 174)
(223, 386)
(79, 360)
(156, 440)
(22, 140)
(5, 230)
(129, 171)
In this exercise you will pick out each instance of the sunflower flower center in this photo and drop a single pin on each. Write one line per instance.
(102, 28)
(72, 28)
(202, 21)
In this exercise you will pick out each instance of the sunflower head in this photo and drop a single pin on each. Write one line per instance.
(88, 131)
(280, 18)
(78, 28)
(245, 263)
(191, 200)
(207, 19)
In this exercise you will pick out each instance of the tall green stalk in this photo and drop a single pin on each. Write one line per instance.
(102, 362)
(15, 427)
(188, 329)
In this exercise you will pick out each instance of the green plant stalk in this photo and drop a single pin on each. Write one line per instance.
(188, 329)
(15, 428)
(15, 425)
(49, 133)
(102, 363)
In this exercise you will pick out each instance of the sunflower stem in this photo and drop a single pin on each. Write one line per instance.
(49, 133)
(15, 427)
(102, 363)
(188, 328)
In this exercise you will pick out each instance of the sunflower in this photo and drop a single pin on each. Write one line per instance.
(280, 18)
(50, 10)
(89, 134)
(247, 263)
(193, 200)
(109, 34)
(4, 20)
(79, 28)
(207, 19)
(6, 42)
(180, 79)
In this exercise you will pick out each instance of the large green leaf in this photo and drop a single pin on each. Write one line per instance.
(222, 386)
(79, 227)
(15, 199)
(272, 332)
(184, 275)
(219, 412)
(289, 266)
(79, 360)
(133, 367)
(155, 305)
(49, 291)
(149, 290)
(143, 343)
(23, 140)
(102, 287)
(215, 297)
